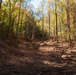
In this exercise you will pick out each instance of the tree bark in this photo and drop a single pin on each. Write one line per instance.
(56, 21)
(49, 23)
(17, 30)
(68, 19)
(0, 3)
(42, 23)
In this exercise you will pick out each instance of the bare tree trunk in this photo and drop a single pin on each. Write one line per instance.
(42, 24)
(12, 24)
(0, 3)
(49, 23)
(61, 37)
(56, 21)
(68, 19)
(17, 30)
(21, 23)
(9, 21)
(74, 27)
(33, 32)
(2, 26)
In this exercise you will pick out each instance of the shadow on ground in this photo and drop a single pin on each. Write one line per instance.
(36, 59)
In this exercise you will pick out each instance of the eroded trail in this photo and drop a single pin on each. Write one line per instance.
(39, 58)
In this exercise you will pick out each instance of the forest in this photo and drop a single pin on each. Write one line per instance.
(38, 41)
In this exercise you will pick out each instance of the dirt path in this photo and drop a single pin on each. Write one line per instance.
(39, 58)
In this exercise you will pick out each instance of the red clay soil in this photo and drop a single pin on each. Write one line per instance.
(37, 58)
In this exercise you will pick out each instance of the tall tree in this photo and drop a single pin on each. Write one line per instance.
(9, 19)
(68, 18)
(56, 20)
(0, 3)
(17, 30)
(48, 11)
(42, 9)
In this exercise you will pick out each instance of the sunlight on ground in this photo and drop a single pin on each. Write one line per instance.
(46, 62)
(28, 59)
(44, 49)
(53, 64)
